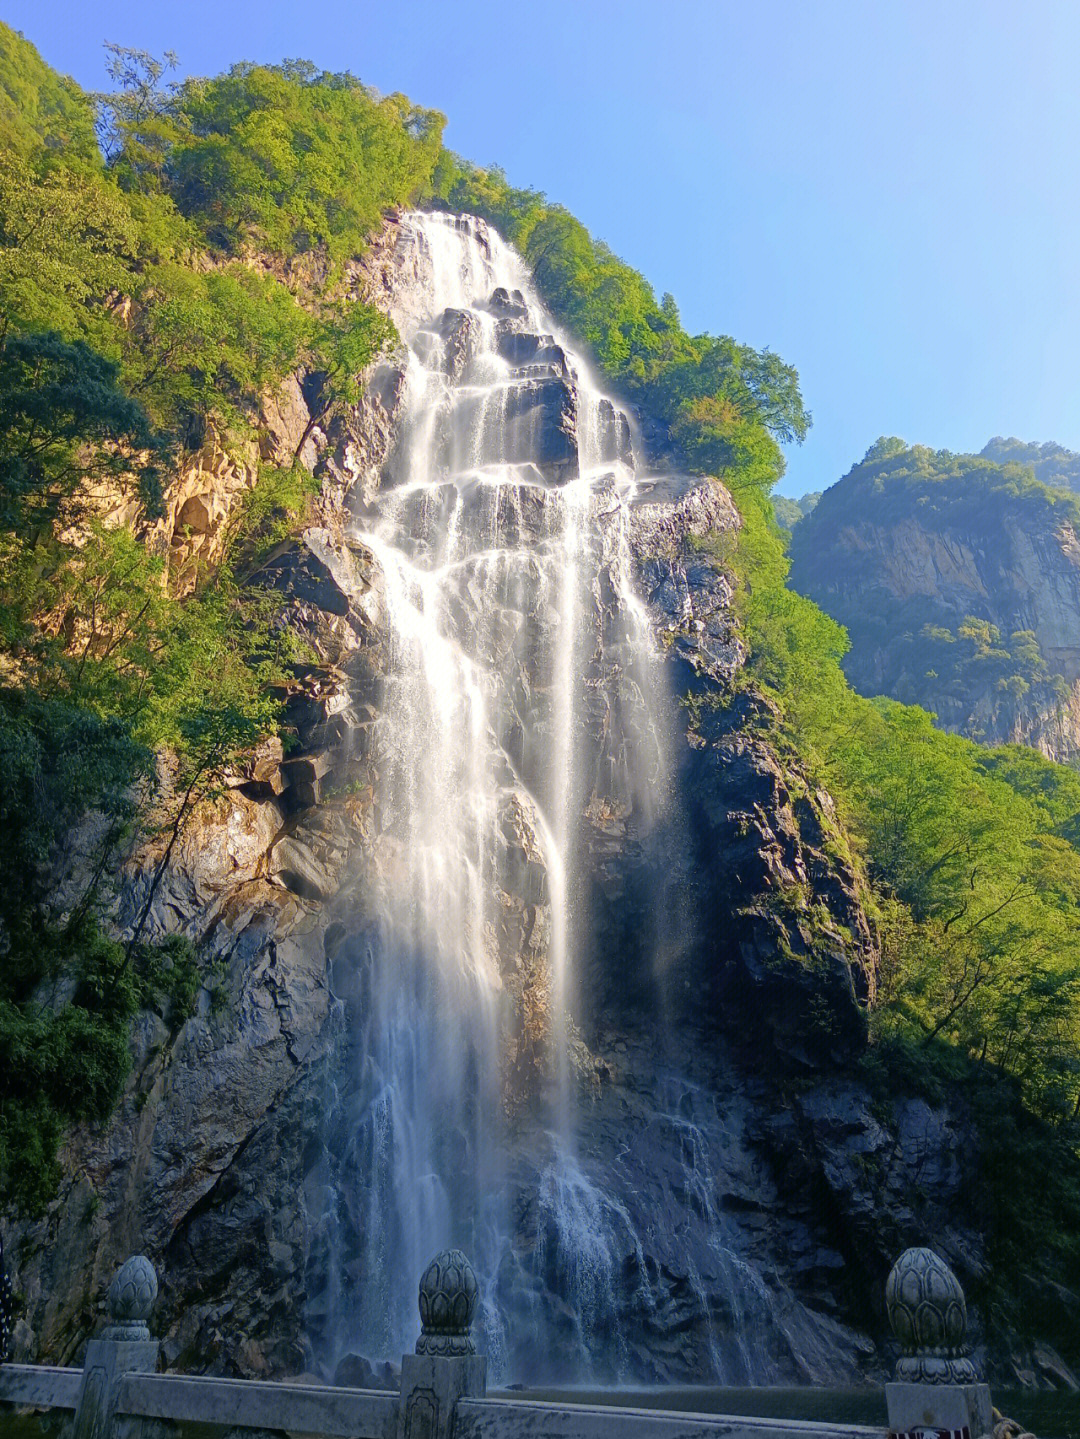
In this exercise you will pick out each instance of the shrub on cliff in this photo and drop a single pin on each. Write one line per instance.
(974, 854)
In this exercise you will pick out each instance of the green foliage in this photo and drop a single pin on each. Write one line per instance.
(269, 513)
(169, 976)
(1031, 1224)
(67, 243)
(121, 337)
(58, 760)
(136, 126)
(894, 476)
(127, 671)
(39, 108)
(788, 512)
(885, 447)
(795, 647)
(725, 408)
(106, 258)
(972, 858)
(287, 156)
(64, 1058)
(65, 1001)
(65, 421)
(972, 853)
(942, 665)
(206, 343)
(1051, 464)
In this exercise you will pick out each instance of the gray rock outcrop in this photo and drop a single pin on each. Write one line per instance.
(907, 564)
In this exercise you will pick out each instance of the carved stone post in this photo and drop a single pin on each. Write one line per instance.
(937, 1394)
(123, 1346)
(446, 1366)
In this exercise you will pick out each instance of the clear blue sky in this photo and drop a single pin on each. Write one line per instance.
(886, 192)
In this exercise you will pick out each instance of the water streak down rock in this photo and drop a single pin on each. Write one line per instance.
(531, 849)
(506, 942)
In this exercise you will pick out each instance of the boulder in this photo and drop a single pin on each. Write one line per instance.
(307, 864)
(315, 569)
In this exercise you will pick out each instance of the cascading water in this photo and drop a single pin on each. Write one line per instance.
(522, 691)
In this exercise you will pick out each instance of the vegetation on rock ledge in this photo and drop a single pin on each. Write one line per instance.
(721, 408)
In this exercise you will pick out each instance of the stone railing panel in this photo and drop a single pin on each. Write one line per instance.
(256, 1404)
(443, 1392)
(522, 1419)
(42, 1386)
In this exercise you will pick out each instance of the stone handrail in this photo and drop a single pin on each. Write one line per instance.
(40, 1386)
(443, 1393)
(532, 1419)
(258, 1404)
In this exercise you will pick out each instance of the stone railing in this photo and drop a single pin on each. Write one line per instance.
(443, 1385)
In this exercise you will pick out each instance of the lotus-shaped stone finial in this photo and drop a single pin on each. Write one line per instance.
(448, 1294)
(928, 1316)
(130, 1299)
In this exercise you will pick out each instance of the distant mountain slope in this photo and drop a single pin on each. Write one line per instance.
(958, 579)
(789, 511)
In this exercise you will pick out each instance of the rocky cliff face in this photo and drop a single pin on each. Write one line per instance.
(960, 592)
(744, 1203)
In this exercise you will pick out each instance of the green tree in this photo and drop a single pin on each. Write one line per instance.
(343, 342)
(296, 158)
(67, 243)
(39, 109)
(64, 422)
(137, 123)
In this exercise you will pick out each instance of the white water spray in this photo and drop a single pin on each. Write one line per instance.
(501, 535)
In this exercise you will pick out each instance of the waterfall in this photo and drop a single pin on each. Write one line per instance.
(523, 699)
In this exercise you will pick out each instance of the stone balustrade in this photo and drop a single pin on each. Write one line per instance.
(443, 1391)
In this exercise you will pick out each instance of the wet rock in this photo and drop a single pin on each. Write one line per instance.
(316, 570)
(526, 351)
(356, 1372)
(309, 862)
(507, 303)
(537, 425)
(459, 330)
